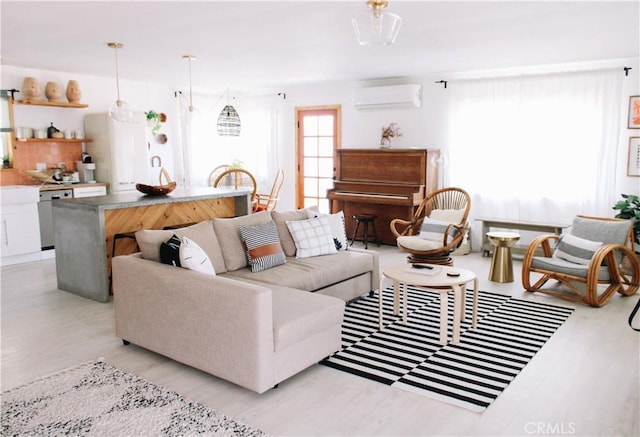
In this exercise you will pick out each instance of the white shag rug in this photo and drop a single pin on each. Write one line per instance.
(98, 399)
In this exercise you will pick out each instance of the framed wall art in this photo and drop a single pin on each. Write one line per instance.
(633, 161)
(634, 112)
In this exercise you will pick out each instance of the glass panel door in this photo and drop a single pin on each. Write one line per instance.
(318, 138)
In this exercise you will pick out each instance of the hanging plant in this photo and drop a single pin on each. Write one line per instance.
(153, 118)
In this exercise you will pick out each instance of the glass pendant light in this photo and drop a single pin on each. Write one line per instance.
(119, 110)
(377, 28)
(229, 121)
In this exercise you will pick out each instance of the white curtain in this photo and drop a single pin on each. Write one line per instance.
(535, 148)
(255, 148)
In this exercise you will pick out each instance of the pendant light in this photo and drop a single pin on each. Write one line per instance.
(229, 120)
(377, 28)
(192, 111)
(119, 110)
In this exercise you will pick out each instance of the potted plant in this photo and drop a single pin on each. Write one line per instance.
(629, 208)
(153, 119)
(6, 163)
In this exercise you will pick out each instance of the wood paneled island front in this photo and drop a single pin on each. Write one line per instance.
(85, 227)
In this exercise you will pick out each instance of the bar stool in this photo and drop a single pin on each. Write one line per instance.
(366, 220)
(501, 263)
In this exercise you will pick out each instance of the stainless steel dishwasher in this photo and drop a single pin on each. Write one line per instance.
(45, 211)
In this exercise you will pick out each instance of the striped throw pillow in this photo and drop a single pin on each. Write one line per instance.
(262, 245)
(434, 230)
(575, 249)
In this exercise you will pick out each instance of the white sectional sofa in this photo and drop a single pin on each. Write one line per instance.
(254, 329)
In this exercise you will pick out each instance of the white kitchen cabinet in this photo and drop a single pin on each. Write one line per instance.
(98, 190)
(19, 225)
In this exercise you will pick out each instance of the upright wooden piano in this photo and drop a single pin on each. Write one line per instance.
(389, 183)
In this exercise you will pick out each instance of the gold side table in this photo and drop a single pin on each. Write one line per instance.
(501, 263)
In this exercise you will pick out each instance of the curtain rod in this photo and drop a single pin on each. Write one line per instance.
(625, 69)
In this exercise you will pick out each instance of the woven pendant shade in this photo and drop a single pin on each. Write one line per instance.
(229, 122)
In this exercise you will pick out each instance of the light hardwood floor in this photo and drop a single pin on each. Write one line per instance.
(584, 381)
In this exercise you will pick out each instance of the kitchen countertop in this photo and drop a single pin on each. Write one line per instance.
(135, 198)
(62, 186)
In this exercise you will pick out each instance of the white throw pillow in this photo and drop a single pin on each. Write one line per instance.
(192, 257)
(447, 215)
(336, 223)
(312, 237)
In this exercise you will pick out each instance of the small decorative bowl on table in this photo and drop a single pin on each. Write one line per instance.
(156, 190)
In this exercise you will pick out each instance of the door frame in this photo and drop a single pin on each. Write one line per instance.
(300, 111)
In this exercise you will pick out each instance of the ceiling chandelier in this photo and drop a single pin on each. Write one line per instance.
(229, 120)
(377, 28)
(191, 109)
(119, 110)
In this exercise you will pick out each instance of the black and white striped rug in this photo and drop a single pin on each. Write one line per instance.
(470, 374)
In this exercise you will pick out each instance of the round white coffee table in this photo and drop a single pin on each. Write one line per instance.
(433, 276)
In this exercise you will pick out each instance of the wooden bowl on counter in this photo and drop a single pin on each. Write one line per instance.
(156, 190)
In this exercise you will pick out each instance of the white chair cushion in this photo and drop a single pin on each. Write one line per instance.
(414, 242)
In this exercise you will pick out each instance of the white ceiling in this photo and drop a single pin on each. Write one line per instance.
(249, 44)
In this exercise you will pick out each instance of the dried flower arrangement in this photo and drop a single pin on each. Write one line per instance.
(388, 132)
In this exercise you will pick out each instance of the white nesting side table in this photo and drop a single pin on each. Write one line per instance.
(403, 275)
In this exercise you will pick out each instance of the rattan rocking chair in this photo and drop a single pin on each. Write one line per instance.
(450, 205)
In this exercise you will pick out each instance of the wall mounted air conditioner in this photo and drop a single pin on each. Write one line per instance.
(391, 96)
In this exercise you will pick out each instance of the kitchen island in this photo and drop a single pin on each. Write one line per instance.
(84, 228)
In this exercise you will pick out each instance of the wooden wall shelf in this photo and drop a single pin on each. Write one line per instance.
(48, 103)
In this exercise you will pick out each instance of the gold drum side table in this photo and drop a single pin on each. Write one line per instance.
(501, 263)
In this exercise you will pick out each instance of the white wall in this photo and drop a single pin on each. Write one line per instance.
(424, 127)
(427, 126)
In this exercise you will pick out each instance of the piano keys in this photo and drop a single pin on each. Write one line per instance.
(389, 183)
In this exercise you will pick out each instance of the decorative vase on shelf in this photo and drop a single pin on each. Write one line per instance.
(385, 143)
(30, 88)
(73, 91)
(53, 91)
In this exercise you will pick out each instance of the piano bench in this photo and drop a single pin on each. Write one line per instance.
(366, 220)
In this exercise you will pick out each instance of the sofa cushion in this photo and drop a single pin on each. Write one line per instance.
(312, 237)
(193, 257)
(338, 232)
(281, 219)
(312, 274)
(299, 316)
(262, 245)
(149, 241)
(228, 232)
